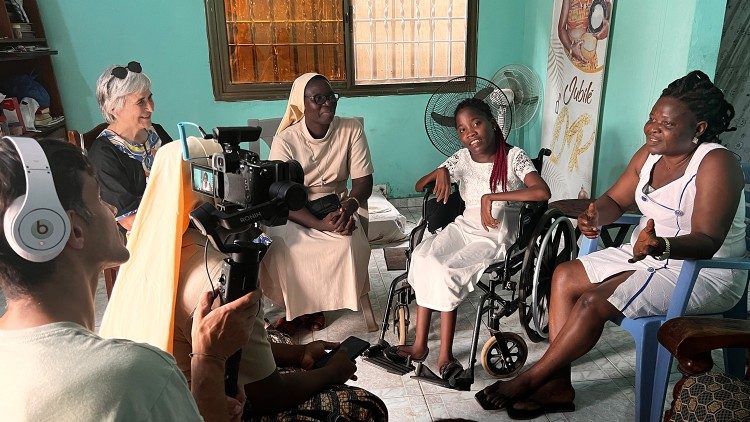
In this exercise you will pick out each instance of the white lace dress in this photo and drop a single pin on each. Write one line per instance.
(446, 265)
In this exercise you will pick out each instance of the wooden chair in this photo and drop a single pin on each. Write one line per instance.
(84, 142)
(86, 139)
(691, 339)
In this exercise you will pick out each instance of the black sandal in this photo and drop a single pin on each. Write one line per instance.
(540, 409)
(484, 402)
(449, 369)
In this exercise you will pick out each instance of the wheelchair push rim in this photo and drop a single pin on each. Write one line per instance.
(551, 244)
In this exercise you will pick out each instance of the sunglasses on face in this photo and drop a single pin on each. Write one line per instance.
(321, 99)
(121, 72)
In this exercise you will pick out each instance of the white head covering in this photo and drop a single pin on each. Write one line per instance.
(295, 109)
(143, 300)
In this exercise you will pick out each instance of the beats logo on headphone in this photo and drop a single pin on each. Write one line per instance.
(35, 224)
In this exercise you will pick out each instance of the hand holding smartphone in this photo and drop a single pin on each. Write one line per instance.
(354, 347)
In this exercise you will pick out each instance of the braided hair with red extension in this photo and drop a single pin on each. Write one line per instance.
(500, 165)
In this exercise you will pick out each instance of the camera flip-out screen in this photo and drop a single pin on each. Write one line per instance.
(203, 179)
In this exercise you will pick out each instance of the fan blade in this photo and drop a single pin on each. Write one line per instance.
(514, 85)
(484, 93)
(447, 121)
(530, 100)
(509, 94)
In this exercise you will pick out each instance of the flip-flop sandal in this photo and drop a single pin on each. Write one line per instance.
(315, 322)
(540, 409)
(484, 401)
(289, 328)
(449, 369)
(392, 353)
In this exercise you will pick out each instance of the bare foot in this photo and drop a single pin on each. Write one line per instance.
(417, 353)
(502, 391)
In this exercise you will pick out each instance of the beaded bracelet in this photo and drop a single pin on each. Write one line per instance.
(208, 355)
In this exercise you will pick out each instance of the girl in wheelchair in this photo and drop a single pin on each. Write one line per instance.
(493, 179)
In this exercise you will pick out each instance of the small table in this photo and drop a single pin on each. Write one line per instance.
(572, 208)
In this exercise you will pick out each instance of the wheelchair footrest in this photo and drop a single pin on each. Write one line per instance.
(390, 366)
(375, 356)
(461, 381)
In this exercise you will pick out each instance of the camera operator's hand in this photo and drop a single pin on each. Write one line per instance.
(235, 406)
(340, 368)
(222, 331)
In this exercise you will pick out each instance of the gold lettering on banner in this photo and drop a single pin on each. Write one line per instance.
(572, 138)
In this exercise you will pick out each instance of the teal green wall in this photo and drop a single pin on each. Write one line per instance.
(653, 42)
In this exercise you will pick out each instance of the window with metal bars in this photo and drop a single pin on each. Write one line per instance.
(364, 47)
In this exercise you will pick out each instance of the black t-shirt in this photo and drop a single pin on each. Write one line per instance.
(121, 179)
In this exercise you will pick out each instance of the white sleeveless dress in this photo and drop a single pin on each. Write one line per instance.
(445, 266)
(649, 289)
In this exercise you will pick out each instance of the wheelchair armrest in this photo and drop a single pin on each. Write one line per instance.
(416, 235)
(429, 187)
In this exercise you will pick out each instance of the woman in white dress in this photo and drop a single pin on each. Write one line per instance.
(689, 189)
(319, 263)
(493, 179)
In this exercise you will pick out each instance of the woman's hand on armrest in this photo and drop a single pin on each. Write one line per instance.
(588, 222)
(442, 179)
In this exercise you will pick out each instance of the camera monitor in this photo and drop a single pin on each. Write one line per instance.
(204, 179)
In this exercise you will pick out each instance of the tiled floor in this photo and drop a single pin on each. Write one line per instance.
(603, 378)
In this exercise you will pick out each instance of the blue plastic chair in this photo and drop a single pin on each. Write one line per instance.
(652, 360)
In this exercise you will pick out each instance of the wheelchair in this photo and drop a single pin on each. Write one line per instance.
(545, 239)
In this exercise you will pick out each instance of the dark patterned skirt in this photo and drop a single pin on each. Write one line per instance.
(335, 403)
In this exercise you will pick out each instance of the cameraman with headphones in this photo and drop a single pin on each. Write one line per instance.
(57, 237)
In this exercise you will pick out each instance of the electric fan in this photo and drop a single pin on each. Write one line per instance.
(438, 115)
(522, 86)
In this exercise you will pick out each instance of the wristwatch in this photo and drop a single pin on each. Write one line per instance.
(664, 255)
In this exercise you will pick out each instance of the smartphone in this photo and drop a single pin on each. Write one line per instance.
(354, 347)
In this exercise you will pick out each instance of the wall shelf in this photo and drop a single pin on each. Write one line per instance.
(37, 63)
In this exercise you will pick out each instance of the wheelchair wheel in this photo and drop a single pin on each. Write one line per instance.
(552, 243)
(505, 358)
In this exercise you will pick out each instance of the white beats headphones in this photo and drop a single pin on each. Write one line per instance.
(36, 225)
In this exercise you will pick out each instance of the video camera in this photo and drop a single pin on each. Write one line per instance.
(247, 191)
(240, 180)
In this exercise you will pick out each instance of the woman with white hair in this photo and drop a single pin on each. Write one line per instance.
(124, 152)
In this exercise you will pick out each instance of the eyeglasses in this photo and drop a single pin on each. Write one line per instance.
(321, 99)
(121, 72)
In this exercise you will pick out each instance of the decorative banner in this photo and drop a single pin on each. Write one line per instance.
(575, 74)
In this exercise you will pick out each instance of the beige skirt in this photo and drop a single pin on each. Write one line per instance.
(307, 270)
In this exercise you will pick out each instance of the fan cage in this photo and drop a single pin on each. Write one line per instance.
(526, 85)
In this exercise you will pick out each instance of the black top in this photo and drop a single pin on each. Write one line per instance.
(122, 180)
